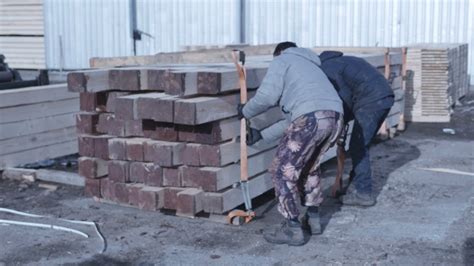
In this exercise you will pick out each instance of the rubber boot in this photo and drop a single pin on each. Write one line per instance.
(290, 233)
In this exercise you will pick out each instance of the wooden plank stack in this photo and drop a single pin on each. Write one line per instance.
(164, 136)
(22, 33)
(37, 123)
(438, 78)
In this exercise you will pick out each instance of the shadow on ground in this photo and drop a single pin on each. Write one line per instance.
(468, 251)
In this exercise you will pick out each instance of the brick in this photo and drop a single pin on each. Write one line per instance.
(92, 187)
(90, 167)
(119, 171)
(124, 79)
(104, 123)
(171, 197)
(121, 193)
(145, 172)
(134, 149)
(164, 153)
(210, 133)
(86, 145)
(86, 123)
(189, 202)
(117, 149)
(172, 176)
(190, 155)
(159, 130)
(172, 82)
(101, 146)
(106, 189)
(155, 106)
(133, 128)
(92, 102)
(125, 107)
(134, 193)
(196, 178)
(151, 198)
(111, 98)
(88, 80)
(153, 174)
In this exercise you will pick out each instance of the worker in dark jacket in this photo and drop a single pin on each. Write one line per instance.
(367, 98)
(313, 111)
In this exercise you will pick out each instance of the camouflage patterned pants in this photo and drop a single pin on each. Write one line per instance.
(296, 166)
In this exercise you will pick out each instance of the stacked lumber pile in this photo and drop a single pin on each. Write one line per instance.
(437, 80)
(22, 33)
(37, 123)
(164, 136)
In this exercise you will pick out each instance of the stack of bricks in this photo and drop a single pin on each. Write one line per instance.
(166, 137)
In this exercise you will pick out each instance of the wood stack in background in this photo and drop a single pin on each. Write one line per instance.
(22, 33)
(37, 123)
(437, 79)
(164, 136)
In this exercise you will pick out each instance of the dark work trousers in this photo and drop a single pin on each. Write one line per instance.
(367, 121)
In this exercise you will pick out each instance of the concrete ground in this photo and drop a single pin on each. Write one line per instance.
(421, 217)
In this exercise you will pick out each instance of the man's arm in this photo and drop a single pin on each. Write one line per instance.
(269, 92)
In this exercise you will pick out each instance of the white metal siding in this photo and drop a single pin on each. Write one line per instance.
(76, 30)
(102, 28)
(178, 23)
(361, 22)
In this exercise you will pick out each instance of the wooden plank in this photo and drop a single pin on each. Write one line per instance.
(37, 125)
(38, 154)
(31, 95)
(27, 142)
(38, 110)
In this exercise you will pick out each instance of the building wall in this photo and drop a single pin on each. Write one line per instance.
(102, 28)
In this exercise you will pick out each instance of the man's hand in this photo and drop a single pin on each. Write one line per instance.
(240, 107)
(253, 136)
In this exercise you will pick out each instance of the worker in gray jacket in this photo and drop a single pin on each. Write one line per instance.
(314, 113)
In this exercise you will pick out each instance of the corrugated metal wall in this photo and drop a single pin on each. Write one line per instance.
(76, 30)
(361, 22)
(102, 28)
(178, 23)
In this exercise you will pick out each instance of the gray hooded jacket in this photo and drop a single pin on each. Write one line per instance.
(295, 81)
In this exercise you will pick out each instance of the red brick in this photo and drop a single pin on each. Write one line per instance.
(86, 123)
(189, 202)
(112, 97)
(134, 149)
(90, 167)
(86, 145)
(164, 153)
(134, 193)
(119, 171)
(190, 154)
(154, 175)
(196, 178)
(92, 102)
(92, 187)
(104, 122)
(172, 176)
(159, 130)
(106, 189)
(121, 193)
(133, 128)
(171, 197)
(140, 172)
(117, 149)
(101, 146)
(155, 106)
(151, 198)
(124, 79)
(125, 107)
(209, 155)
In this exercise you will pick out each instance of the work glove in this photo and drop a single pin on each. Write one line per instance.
(240, 107)
(253, 136)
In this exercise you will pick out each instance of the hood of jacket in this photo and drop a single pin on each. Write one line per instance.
(305, 53)
(326, 55)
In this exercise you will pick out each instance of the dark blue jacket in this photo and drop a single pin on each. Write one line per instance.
(357, 82)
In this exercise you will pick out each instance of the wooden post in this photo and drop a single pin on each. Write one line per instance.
(401, 123)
